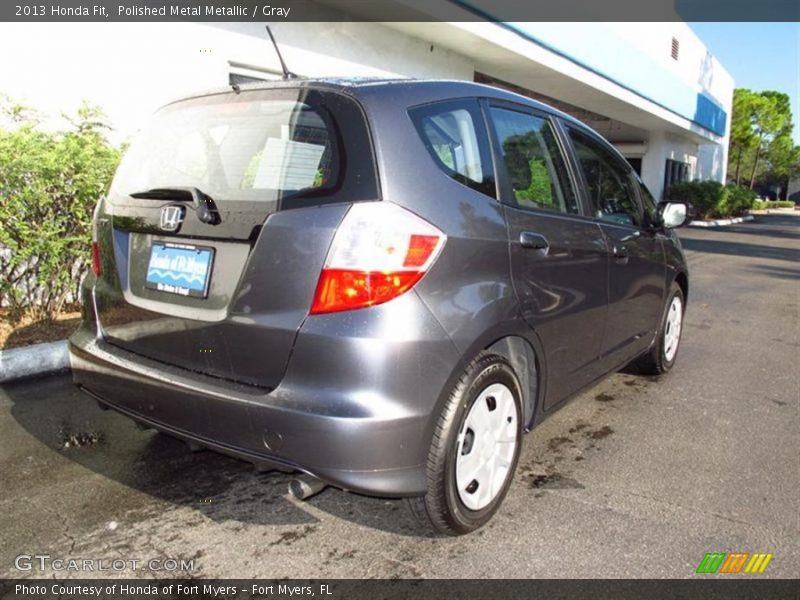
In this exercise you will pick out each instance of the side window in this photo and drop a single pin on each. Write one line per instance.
(534, 162)
(612, 196)
(454, 134)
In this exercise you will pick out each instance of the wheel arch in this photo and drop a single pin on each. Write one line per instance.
(525, 363)
(518, 343)
(682, 279)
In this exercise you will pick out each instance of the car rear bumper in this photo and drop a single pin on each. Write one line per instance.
(354, 411)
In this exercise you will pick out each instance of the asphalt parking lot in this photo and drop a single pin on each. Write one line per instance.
(635, 478)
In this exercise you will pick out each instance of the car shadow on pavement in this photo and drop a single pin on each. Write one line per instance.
(780, 272)
(718, 246)
(66, 424)
(773, 226)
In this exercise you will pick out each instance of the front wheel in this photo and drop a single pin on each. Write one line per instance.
(662, 355)
(475, 449)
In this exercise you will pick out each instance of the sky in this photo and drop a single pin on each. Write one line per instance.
(759, 56)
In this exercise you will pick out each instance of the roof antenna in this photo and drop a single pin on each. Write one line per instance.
(287, 74)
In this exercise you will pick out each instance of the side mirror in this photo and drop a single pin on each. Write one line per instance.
(673, 214)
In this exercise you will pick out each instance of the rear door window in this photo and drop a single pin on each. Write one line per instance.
(454, 134)
(536, 168)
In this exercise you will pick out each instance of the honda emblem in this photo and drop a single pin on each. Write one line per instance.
(172, 217)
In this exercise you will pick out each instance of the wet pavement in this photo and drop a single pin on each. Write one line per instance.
(638, 477)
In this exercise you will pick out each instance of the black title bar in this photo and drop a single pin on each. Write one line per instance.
(399, 10)
(733, 588)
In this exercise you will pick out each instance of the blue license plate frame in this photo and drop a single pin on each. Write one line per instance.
(180, 269)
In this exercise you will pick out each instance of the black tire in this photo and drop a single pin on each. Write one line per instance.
(441, 508)
(655, 362)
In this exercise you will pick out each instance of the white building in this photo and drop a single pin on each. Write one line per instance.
(653, 89)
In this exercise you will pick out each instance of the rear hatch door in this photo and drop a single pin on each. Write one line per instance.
(217, 224)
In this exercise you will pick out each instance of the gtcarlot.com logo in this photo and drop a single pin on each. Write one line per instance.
(44, 562)
(734, 562)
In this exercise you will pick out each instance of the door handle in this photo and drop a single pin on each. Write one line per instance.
(534, 241)
(620, 253)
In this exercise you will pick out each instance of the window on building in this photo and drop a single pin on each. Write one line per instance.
(239, 74)
(612, 195)
(636, 164)
(533, 160)
(456, 139)
(675, 172)
(239, 79)
(676, 46)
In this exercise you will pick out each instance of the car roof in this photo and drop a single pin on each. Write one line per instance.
(416, 91)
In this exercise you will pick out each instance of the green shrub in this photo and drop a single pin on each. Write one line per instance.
(49, 185)
(704, 196)
(711, 199)
(767, 204)
(736, 201)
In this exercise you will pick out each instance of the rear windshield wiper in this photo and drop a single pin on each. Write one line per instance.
(205, 207)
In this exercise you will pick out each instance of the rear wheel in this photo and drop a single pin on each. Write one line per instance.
(662, 355)
(475, 449)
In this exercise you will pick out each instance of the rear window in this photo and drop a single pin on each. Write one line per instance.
(259, 146)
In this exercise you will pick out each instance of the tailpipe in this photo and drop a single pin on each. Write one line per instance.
(306, 486)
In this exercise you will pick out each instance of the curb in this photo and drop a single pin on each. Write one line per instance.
(32, 361)
(721, 222)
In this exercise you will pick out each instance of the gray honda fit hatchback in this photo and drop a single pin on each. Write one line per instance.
(381, 284)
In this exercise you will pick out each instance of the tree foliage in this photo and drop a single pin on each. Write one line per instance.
(742, 136)
(49, 185)
(540, 189)
(761, 146)
(525, 161)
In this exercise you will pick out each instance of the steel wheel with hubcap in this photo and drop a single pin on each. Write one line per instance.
(672, 329)
(475, 448)
(486, 446)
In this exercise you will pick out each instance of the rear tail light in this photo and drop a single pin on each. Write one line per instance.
(95, 245)
(96, 258)
(379, 252)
